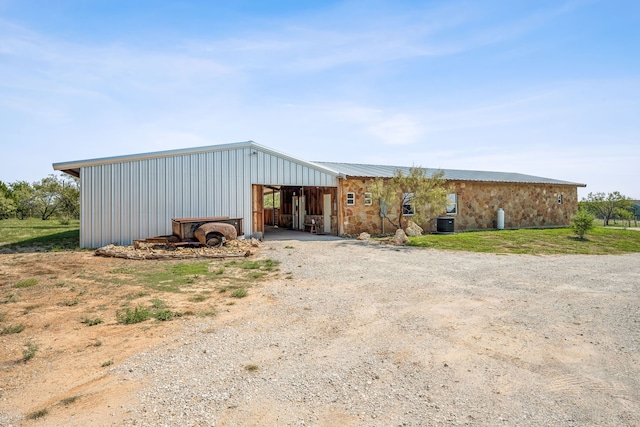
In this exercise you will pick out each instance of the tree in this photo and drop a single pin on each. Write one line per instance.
(24, 198)
(7, 204)
(47, 196)
(415, 193)
(69, 197)
(581, 223)
(607, 206)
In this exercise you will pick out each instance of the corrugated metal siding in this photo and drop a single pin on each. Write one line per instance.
(137, 199)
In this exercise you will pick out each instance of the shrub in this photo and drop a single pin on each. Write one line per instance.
(239, 293)
(582, 223)
(91, 322)
(137, 315)
(69, 400)
(30, 351)
(12, 329)
(37, 414)
(164, 315)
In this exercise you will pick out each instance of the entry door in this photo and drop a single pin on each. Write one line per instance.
(326, 212)
(295, 206)
(302, 213)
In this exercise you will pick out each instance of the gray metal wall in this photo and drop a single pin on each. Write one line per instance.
(136, 199)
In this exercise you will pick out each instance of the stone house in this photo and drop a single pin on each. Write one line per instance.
(474, 199)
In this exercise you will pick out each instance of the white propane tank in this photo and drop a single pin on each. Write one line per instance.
(500, 219)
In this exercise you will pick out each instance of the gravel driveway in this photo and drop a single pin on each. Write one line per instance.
(372, 335)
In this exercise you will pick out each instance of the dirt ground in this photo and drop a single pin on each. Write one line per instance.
(72, 358)
(347, 333)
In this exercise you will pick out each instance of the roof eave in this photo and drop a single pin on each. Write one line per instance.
(73, 167)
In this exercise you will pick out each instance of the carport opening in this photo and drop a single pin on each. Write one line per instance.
(305, 209)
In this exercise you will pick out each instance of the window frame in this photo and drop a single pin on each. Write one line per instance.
(351, 198)
(368, 199)
(407, 208)
(454, 211)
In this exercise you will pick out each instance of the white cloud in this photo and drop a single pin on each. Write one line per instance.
(399, 129)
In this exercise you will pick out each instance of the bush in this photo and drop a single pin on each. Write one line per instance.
(582, 223)
(137, 315)
(30, 351)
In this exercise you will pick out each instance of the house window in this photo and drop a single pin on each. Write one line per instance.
(559, 199)
(368, 200)
(407, 205)
(351, 199)
(452, 204)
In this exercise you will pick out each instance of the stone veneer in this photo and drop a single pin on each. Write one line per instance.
(525, 205)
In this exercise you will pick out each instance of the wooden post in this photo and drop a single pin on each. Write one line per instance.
(257, 204)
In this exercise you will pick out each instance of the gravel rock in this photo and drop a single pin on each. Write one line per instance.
(378, 335)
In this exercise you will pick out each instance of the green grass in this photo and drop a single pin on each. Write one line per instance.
(12, 329)
(199, 298)
(91, 322)
(30, 351)
(239, 293)
(27, 283)
(265, 264)
(164, 315)
(49, 235)
(137, 315)
(601, 241)
(184, 275)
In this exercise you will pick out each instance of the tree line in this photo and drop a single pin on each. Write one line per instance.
(51, 197)
(609, 206)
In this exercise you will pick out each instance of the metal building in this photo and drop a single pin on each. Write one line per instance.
(131, 197)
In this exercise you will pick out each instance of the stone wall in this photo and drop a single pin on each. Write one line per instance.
(525, 205)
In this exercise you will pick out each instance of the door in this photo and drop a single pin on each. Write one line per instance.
(326, 213)
(295, 215)
(302, 213)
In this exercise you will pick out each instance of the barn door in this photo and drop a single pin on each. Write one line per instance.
(257, 202)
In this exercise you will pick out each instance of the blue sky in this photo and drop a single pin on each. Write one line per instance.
(547, 88)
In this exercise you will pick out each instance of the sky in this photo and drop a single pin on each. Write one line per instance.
(545, 88)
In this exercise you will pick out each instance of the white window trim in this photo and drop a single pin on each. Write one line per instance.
(368, 199)
(453, 211)
(351, 198)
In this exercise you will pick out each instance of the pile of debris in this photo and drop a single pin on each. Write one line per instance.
(142, 250)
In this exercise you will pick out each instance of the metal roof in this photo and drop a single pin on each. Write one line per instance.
(386, 171)
(73, 167)
(333, 168)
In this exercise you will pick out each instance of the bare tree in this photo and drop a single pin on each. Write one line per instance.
(416, 194)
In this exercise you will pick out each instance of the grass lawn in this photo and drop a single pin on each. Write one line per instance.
(599, 241)
(33, 233)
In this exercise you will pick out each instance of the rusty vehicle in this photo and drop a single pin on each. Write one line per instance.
(207, 231)
(215, 233)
